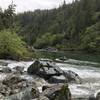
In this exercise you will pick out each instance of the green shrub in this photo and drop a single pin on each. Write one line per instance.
(48, 39)
(11, 46)
(91, 38)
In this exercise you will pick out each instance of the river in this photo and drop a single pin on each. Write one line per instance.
(89, 71)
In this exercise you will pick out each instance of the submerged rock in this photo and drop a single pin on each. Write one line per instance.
(63, 58)
(5, 69)
(18, 69)
(3, 63)
(72, 77)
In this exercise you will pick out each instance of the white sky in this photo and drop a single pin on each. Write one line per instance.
(25, 5)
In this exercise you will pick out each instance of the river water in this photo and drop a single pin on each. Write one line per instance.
(87, 70)
(90, 77)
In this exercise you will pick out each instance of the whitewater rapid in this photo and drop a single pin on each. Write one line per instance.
(86, 70)
(90, 78)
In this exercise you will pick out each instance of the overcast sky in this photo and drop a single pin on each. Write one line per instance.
(24, 5)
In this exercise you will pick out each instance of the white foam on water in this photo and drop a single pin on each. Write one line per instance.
(82, 71)
(78, 91)
(90, 76)
(79, 61)
(27, 77)
(2, 76)
(40, 89)
(21, 64)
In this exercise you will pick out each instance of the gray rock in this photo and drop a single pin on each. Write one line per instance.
(19, 96)
(27, 94)
(44, 70)
(58, 79)
(72, 77)
(34, 68)
(98, 96)
(57, 92)
(4, 90)
(3, 63)
(45, 87)
(63, 58)
(18, 69)
(5, 70)
(12, 80)
(35, 93)
(14, 84)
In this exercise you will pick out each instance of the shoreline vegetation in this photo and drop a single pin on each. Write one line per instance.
(70, 27)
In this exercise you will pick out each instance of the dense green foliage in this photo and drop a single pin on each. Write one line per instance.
(48, 40)
(7, 17)
(74, 26)
(91, 39)
(76, 23)
(11, 45)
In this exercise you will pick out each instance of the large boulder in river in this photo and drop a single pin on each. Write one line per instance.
(44, 70)
(52, 73)
(34, 68)
(57, 92)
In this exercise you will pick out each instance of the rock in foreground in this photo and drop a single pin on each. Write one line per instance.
(98, 96)
(57, 92)
(14, 86)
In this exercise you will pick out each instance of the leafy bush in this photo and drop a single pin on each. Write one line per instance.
(91, 38)
(48, 39)
(11, 46)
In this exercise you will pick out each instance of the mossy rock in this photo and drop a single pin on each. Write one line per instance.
(57, 92)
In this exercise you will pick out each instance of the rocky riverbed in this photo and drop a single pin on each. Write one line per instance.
(23, 81)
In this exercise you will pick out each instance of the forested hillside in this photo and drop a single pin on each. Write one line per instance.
(74, 26)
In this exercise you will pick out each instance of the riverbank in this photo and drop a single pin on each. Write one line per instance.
(77, 55)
